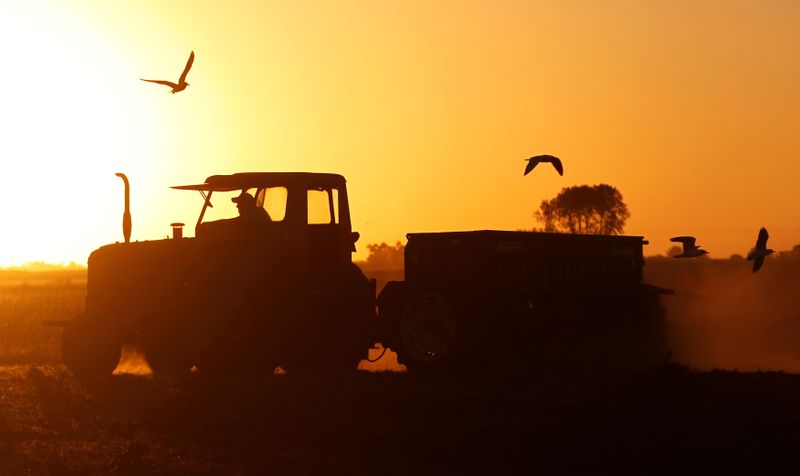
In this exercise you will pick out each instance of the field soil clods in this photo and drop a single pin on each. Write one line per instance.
(664, 421)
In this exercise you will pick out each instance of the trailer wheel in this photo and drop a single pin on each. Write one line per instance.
(429, 330)
(90, 348)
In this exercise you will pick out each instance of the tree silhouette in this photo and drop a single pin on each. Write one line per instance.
(385, 256)
(674, 251)
(585, 209)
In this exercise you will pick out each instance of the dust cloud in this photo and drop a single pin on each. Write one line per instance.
(382, 363)
(723, 315)
(132, 362)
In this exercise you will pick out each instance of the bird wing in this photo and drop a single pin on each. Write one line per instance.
(187, 68)
(757, 262)
(532, 162)
(761, 242)
(558, 165)
(687, 241)
(165, 83)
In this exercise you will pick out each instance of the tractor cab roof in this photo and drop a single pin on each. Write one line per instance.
(240, 181)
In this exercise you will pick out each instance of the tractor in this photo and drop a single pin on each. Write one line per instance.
(273, 285)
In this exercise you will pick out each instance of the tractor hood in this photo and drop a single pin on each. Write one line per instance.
(125, 275)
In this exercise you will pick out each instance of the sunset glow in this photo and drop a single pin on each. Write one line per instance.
(399, 236)
(689, 108)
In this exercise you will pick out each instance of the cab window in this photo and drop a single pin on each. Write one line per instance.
(223, 207)
(273, 200)
(323, 206)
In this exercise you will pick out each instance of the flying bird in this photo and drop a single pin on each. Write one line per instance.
(534, 161)
(761, 251)
(690, 249)
(176, 88)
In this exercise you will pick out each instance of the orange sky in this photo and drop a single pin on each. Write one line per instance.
(428, 108)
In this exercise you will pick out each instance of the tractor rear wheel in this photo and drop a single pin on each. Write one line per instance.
(168, 360)
(332, 334)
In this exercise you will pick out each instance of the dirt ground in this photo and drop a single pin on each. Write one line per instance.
(509, 419)
(663, 421)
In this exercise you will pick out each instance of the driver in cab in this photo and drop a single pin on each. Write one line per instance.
(249, 211)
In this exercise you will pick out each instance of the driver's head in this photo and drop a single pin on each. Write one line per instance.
(244, 201)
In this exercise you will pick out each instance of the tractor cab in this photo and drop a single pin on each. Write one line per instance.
(305, 210)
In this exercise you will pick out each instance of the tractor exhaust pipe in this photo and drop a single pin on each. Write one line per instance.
(177, 230)
(126, 217)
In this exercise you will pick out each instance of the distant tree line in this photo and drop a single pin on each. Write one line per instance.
(385, 256)
(583, 209)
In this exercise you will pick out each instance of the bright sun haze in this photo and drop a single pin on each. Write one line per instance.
(427, 108)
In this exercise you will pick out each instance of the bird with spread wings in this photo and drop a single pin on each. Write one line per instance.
(760, 251)
(536, 160)
(181, 85)
(690, 248)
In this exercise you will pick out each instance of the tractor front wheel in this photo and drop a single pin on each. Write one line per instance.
(90, 348)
